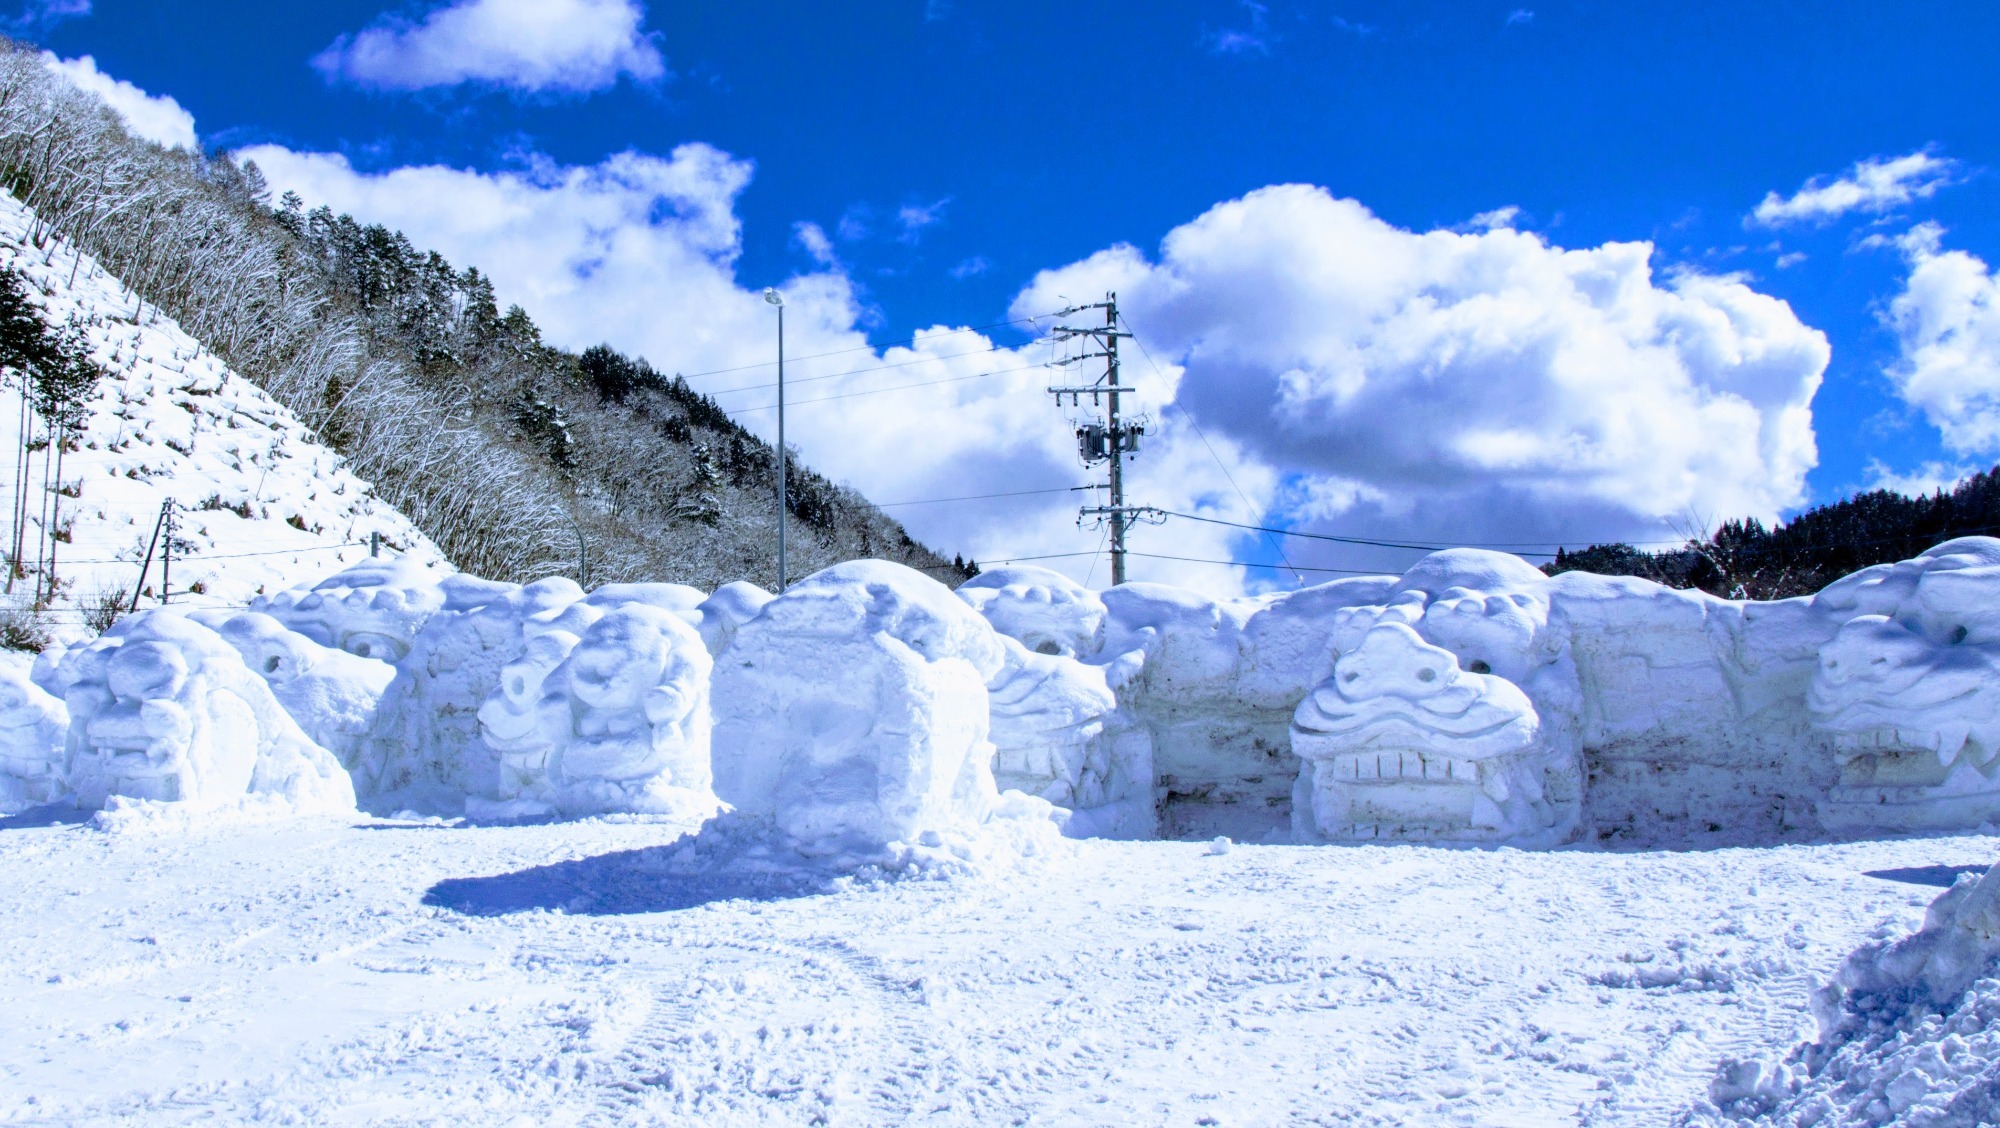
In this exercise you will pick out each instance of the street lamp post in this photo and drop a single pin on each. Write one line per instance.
(772, 296)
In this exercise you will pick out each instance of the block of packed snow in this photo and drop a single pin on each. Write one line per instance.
(851, 713)
(680, 600)
(332, 694)
(1694, 713)
(616, 720)
(373, 609)
(162, 709)
(1908, 691)
(33, 725)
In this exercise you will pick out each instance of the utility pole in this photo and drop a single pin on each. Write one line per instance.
(1113, 440)
(771, 295)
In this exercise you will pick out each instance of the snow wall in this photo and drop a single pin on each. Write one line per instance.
(1470, 700)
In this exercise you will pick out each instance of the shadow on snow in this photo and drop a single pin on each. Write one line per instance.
(622, 883)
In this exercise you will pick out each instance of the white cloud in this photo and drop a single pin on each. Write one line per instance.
(812, 238)
(1921, 482)
(1875, 185)
(158, 119)
(1491, 220)
(1470, 387)
(913, 218)
(566, 45)
(1947, 321)
(40, 15)
(1520, 16)
(972, 267)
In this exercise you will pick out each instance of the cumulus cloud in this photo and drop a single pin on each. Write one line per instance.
(1470, 386)
(1876, 185)
(40, 15)
(1299, 361)
(529, 45)
(157, 118)
(1947, 322)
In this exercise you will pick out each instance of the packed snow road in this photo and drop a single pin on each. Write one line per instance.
(411, 973)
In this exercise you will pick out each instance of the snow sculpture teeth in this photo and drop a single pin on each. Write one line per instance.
(1055, 721)
(33, 724)
(163, 709)
(1906, 692)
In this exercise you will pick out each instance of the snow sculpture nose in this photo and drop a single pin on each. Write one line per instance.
(1394, 661)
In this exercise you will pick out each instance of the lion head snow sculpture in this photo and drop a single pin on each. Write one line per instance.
(1908, 689)
(1045, 611)
(732, 605)
(1055, 725)
(33, 724)
(851, 713)
(1450, 714)
(614, 720)
(427, 748)
(331, 693)
(373, 609)
(163, 709)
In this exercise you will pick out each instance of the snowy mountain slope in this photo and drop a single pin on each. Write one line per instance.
(263, 505)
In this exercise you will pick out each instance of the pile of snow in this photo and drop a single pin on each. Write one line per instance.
(263, 505)
(1909, 1032)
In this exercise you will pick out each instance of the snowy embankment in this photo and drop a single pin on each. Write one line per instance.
(428, 972)
(263, 505)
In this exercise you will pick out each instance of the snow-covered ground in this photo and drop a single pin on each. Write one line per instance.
(326, 972)
(264, 505)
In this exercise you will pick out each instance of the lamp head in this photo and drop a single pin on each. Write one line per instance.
(771, 295)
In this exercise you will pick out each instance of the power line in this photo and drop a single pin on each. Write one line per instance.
(859, 371)
(230, 555)
(868, 348)
(1199, 433)
(1242, 564)
(892, 388)
(967, 497)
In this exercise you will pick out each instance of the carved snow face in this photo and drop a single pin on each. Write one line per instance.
(164, 709)
(1448, 717)
(1402, 744)
(372, 610)
(1044, 611)
(1910, 693)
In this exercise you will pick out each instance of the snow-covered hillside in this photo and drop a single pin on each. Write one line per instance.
(263, 504)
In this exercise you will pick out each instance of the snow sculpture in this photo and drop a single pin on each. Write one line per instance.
(851, 712)
(332, 694)
(1450, 714)
(373, 609)
(616, 720)
(1908, 690)
(32, 728)
(427, 750)
(732, 605)
(163, 709)
(1045, 611)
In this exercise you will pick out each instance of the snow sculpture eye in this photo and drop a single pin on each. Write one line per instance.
(1958, 634)
(271, 664)
(1479, 666)
(368, 644)
(1427, 675)
(1050, 646)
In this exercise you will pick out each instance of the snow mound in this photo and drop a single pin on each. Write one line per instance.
(33, 724)
(852, 714)
(332, 694)
(1909, 1032)
(162, 709)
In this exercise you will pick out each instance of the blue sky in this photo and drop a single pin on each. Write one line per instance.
(907, 165)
